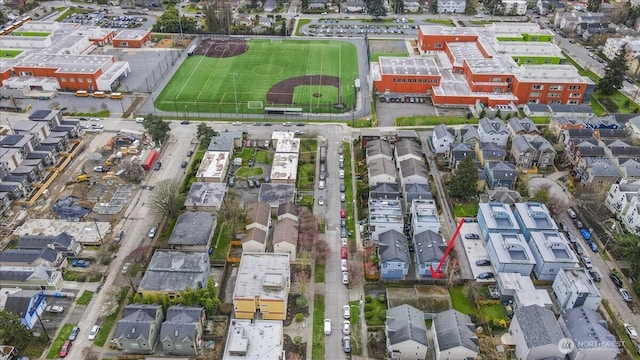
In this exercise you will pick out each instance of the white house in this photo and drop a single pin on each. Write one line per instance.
(494, 131)
(509, 252)
(533, 216)
(423, 216)
(406, 333)
(453, 336)
(442, 137)
(413, 171)
(590, 333)
(535, 332)
(573, 288)
(551, 252)
(406, 149)
(622, 200)
(384, 215)
(514, 7)
(521, 291)
(382, 170)
(451, 6)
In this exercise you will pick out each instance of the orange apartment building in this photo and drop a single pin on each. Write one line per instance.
(459, 66)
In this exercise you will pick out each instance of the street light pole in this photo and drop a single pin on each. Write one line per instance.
(235, 93)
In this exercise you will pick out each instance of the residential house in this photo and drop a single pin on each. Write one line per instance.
(522, 127)
(382, 170)
(413, 171)
(581, 111)
(585, 150)
(262, 286)
(408, 149)
(423, 215)
(8, 352)
(536, 152)
(600, 173)
(608, 122)
(48, 257)
(574, 288)
(623, 201)
(552, 252)
(452, 6)
(393, 252)
(559, 123)
(288, 210)
(590, 333)
(385, 191)
(285, 237)
(489, 152)
(193, 231)
(428, 249)
(442, 137)
(206, 196)
(454, 336)
(533, 216)
(495, 217)
(27, 305)
(254, 340)
(37, 277)
(494, 131)
(633, 125)
(504, 195)
(5, 203)
(181, 332)
(536, 332)
(244, 20)
(413, 192)
(62, 242)
(620, 149)
(171, 272)
(377, 150)
(137, 332)
(258, 224)
(457, 152)
(469, 135)
(500, 174)
(406, 333)
(509, 253)
(385, 215)
(519, 291)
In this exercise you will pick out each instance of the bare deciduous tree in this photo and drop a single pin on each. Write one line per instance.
(356, 273)
(89, 354)
(132, 172)
(231, 211)
(166, 198)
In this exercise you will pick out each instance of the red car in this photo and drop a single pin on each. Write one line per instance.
(344, 252)
(65, 348)
(343, 213)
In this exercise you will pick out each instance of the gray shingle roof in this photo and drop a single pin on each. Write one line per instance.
(28, 256)
(579, 133)
(408, 147)
(193, 228)
(538, 325)
(503, 170)
(24, 274)
(523, 126)
(442, 131)
(136, 321)
(588, 330)
(382, 166)
(565, 120)
(602, 169)
(492, 151)
(60, 241)
(176, 271)
(612, 133)
(379, 147)
(631, 166)
(406, 323)
(286, 230)
(452, 329)
(181, 324)
(469, 133)
(255, 234)
(288, 208)
(393, 247)
(522, 144)
(385, 190)
(412, 167)
(429, 246)
(493, 126)
(542, 144)
(258, 212)
(18, 303)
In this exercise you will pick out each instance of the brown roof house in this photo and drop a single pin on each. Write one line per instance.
(285, 237)
(258, 224)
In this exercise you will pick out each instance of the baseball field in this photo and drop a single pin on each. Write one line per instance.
(247, 76)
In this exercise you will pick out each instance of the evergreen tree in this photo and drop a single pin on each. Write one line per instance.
(614, 73)
(156, 128)
(594, 5)
(464, 184)
(376, 8)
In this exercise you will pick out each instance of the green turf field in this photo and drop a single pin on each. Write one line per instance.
(206, 85)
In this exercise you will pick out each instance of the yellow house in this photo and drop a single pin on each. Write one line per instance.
(262, 285)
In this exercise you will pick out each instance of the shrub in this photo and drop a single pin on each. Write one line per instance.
(368, 307)
(367, 299)
(382, 298)
(608, 104)
(382, 314)
(301, 301)
(297, 340)
(368, 314)
(299, 317)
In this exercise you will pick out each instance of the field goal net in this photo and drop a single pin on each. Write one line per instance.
(276, 41)
(254, 105)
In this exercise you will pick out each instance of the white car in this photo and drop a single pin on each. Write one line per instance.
(320, 184)
(94, 331)
(343, 197)
(345, 278)
(54, 309)
(341, 174)
(236, 123)
(125, 268)
(346, 312)
(152, 232)
(341, 158)
(343, 265)
(321, 200)
(346, 327)
(631, 331)
(344, 241)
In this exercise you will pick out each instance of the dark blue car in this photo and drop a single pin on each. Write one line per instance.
(593, 246)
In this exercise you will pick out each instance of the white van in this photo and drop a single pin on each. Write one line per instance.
(139, 120)
(94, 332)
(327, 326)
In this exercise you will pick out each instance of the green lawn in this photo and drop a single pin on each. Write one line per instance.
(433, 121)
(372, 312)
(356, 343)
(317, 352)
(304, 173)
(245, 154)
(376, 56)
(30, 33)
(63, 335)
(85, 298)
(301, 23)
(221, 240)
(8, 53)
(318, 274)
(493, 312)
(444, 22)
(466, 210)
(204, 84)
(460, 302)
(264, 157)
(105, 328)
(247, 172)
(348, 194)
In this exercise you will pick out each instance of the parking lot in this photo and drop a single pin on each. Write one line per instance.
(51, 320)
(102, 19)
(476, 250)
